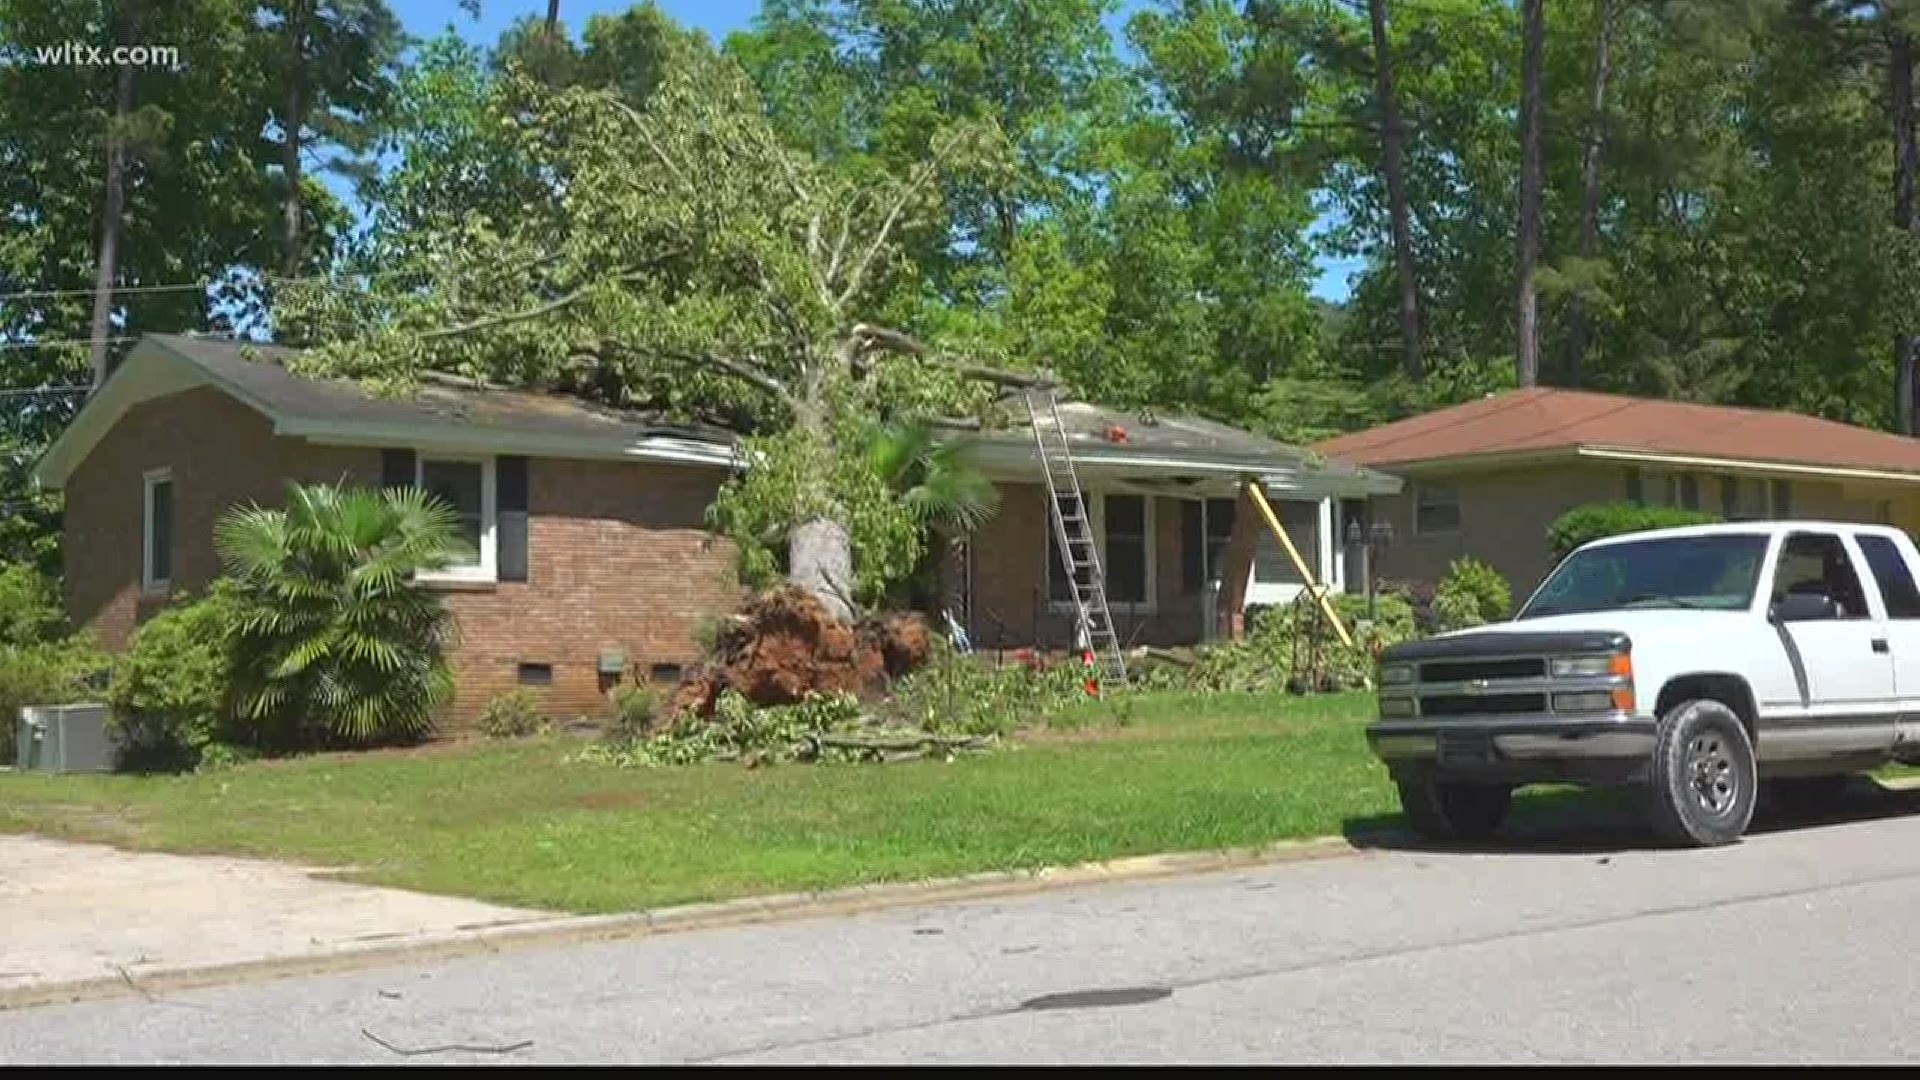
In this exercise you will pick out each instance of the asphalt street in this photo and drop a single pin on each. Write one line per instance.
(1570, 943)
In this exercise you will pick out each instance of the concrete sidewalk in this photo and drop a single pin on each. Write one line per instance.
(75, 914)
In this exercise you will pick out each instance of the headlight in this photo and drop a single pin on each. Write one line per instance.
(1570, 667)
(1396, 674)
(1396, 708)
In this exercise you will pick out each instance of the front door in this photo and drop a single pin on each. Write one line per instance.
(1845, 664)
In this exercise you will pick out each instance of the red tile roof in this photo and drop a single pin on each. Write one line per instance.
(1548, 419)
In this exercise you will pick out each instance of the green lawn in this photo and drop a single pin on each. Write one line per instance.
(524, 823)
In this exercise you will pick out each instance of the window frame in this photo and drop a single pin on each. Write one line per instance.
(1867, 598)
(487, 570)
(1861, 541)
(150, 481)
(1097, 513)
(1420, 489)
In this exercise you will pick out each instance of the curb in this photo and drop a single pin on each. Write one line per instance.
(568, 930)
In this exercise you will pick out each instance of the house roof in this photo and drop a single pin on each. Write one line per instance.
(458, 415)
(1103, 435)
(439, 414)
(1545, 420)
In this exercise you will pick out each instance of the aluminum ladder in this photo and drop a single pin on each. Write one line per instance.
(1073, 532)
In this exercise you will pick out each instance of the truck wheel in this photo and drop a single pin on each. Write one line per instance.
(1454, 811)
(1808, 793)
(1703, 775)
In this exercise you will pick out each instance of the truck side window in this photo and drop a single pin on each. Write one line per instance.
(1818, 563)
(1890, 570)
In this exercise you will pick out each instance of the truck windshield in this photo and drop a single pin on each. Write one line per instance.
(1715, 572)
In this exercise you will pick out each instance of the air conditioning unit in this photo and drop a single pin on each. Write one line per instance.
(63, 739)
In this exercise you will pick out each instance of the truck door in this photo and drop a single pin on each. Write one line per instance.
(1891, 565)
(1839, 651)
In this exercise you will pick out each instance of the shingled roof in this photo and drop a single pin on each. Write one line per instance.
(1546, 420)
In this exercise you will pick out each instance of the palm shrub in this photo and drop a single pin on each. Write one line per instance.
(338, 642)
(939, 485)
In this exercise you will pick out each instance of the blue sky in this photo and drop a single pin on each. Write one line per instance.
(425, 18)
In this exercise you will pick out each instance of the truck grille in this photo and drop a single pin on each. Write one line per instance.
(1525, 667)
(1481, 704)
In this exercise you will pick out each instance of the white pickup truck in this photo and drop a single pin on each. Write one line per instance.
(1691, 663)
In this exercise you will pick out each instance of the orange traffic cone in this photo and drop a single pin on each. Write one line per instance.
(1093, 673)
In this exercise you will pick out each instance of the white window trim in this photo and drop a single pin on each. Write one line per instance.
(149, 480)
(1460, 518)
(488, 569)
(1097, 512)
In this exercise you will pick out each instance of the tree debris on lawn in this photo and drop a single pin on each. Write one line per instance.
(784, 646)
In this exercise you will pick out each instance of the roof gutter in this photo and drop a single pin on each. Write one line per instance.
(666, 448)
(1609, 453)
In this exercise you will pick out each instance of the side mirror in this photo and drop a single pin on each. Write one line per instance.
(1803, 607)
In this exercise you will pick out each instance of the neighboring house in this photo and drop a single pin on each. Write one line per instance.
(1488, 477)
(593, 563)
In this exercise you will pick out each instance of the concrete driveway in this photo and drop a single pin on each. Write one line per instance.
(1578, 943)
(72, 912)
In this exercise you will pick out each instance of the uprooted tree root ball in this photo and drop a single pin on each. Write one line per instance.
(783, 646)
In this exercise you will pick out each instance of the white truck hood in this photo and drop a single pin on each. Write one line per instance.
(1666, 642)
(1636, 623)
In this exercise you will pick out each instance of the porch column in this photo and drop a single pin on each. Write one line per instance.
(1329, 571)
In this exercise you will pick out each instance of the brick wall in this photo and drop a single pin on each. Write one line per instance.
(618, 557)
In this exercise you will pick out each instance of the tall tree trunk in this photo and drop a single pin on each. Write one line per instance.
(1581, 327)
(1392, 166)
(553, 16)
(113, 204)
(1527, 359)
(1906, 167)
(820, 550)
(294, 122)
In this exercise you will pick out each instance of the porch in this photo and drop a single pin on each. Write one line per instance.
(1184, 551)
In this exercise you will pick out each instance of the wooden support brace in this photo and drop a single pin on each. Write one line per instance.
(1306, 573)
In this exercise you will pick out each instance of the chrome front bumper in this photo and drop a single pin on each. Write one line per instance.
(1530, 746)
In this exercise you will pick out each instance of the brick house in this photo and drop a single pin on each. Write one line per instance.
(593, 562)
(1488, 477)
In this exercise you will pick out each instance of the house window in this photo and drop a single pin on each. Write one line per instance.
(1206, 525)
(156, 531)
(1782, 498)
(1123, 527)
(1683, 490)
(1636, 489)
(467, 485)
(1127, 520)
(1436, 508)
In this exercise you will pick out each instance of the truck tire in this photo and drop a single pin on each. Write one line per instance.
(1703, 778)
(1449, 811)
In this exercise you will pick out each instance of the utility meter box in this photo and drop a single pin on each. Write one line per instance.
(63, 739)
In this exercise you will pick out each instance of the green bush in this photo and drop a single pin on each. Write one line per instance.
(1596, 521)
(171, 692)
(46, 673)
(635, 708)
(960, 695)
(1472, 594)
(740, 731)
(340, 644)
(1273, 656)
(513, 715)
(29, 607)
